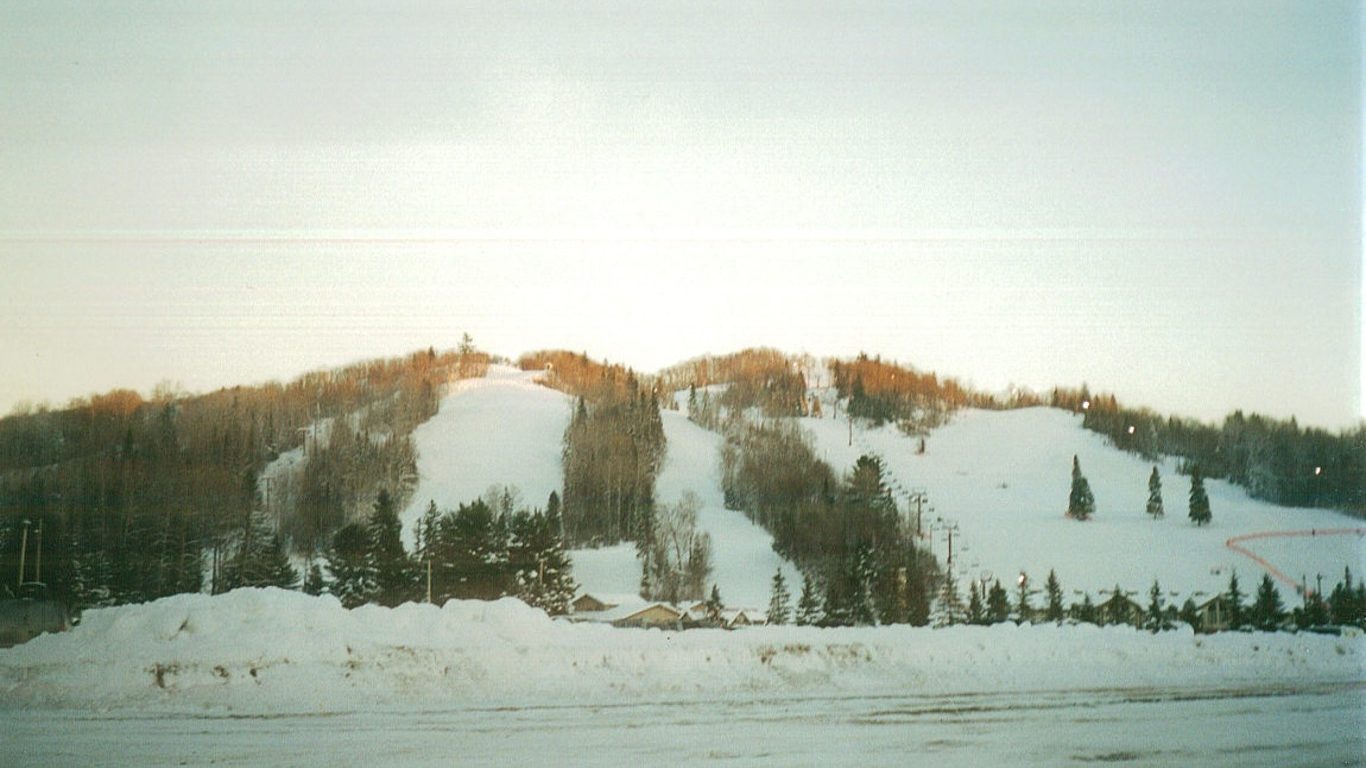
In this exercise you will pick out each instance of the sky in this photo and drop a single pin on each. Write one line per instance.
(1160, 200)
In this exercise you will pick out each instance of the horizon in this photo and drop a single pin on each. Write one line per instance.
(1163, 203)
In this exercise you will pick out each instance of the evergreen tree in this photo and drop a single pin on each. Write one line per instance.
(1081, 504)
(1199, 500)
(1234, 599)
(1314, 613)
(1344, 601)
(1155, 495)
(261, 560)
(976, 611)
(394, 575)
(1086, 612)
(780, 600)
(1267, 611)
(808, 605)
(313, 580)
(998, 604)
(1024, 612)
(714, 604)
(1054, 610)
(861, 608)
(540, 566)
(353, 574)
(1157, 612)
(950, 604)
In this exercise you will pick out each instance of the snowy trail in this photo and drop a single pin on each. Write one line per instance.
(1245, 726)
(742, 552)
(503, 429)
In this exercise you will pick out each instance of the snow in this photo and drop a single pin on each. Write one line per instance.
(503, 429)
(270, 651)
(1003, 477)
(506, 429)
(742, 552)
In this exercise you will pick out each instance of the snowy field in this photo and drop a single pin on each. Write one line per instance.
(258, 677)
(1003, 478)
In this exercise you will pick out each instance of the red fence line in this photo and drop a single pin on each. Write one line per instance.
(1275, 572)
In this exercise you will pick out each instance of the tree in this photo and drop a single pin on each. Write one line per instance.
(393, 572)
(1234, 598)
(1081, 504)
(808, 605)
(1155, 495)
(313, 580)
(1199, 500)
(1024, 612)
(1086, 612)
(714, 604)
(950, 604)
(1267, 611)
(1054, 610)
(353, 575)
(1157, 615)
(998, 604)
(976, 611)
(1345, 601)
(780, 600)
(541, 569)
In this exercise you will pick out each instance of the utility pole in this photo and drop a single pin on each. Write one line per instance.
(38, 556)
(23, 550)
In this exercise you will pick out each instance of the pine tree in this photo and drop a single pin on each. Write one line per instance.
(394, 575)
(1157, 616)
(1234, 598)
(1267, 611)
(353, 574)
(1024, 612)
(541, 567)
(1081, 504)
(313, 580)
(861, 607)
(714, 604)
(976, 611)
(808, 605)
(998, 604)
(1199, 500)
(780, 600)
(1315, 611)
(1086, 612)
(1155, 495)
(1343, 601)
(950, 604)
(1054, 611)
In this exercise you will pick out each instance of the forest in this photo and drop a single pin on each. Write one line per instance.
(139, 498)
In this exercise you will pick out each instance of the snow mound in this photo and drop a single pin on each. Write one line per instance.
(272, 651)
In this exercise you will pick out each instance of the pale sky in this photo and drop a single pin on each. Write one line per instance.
(1162, 200)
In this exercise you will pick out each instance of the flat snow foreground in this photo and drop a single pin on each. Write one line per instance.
(270, 651)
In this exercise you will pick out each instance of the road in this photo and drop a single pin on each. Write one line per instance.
(1319, 725)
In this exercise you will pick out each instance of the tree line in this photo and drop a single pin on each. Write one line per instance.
(1275, 460)
(859, 556)
(141, 498)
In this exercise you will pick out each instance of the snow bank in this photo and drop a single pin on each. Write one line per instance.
(272, 651)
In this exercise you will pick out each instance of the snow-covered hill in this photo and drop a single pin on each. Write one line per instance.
(1003, 478)
(506, 429)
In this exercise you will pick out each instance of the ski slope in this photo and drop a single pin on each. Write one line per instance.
(742, 553)
(503, 429)
(1003, 478)
(506, 429)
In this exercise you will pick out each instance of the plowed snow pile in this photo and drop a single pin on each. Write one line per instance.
(271, 651)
